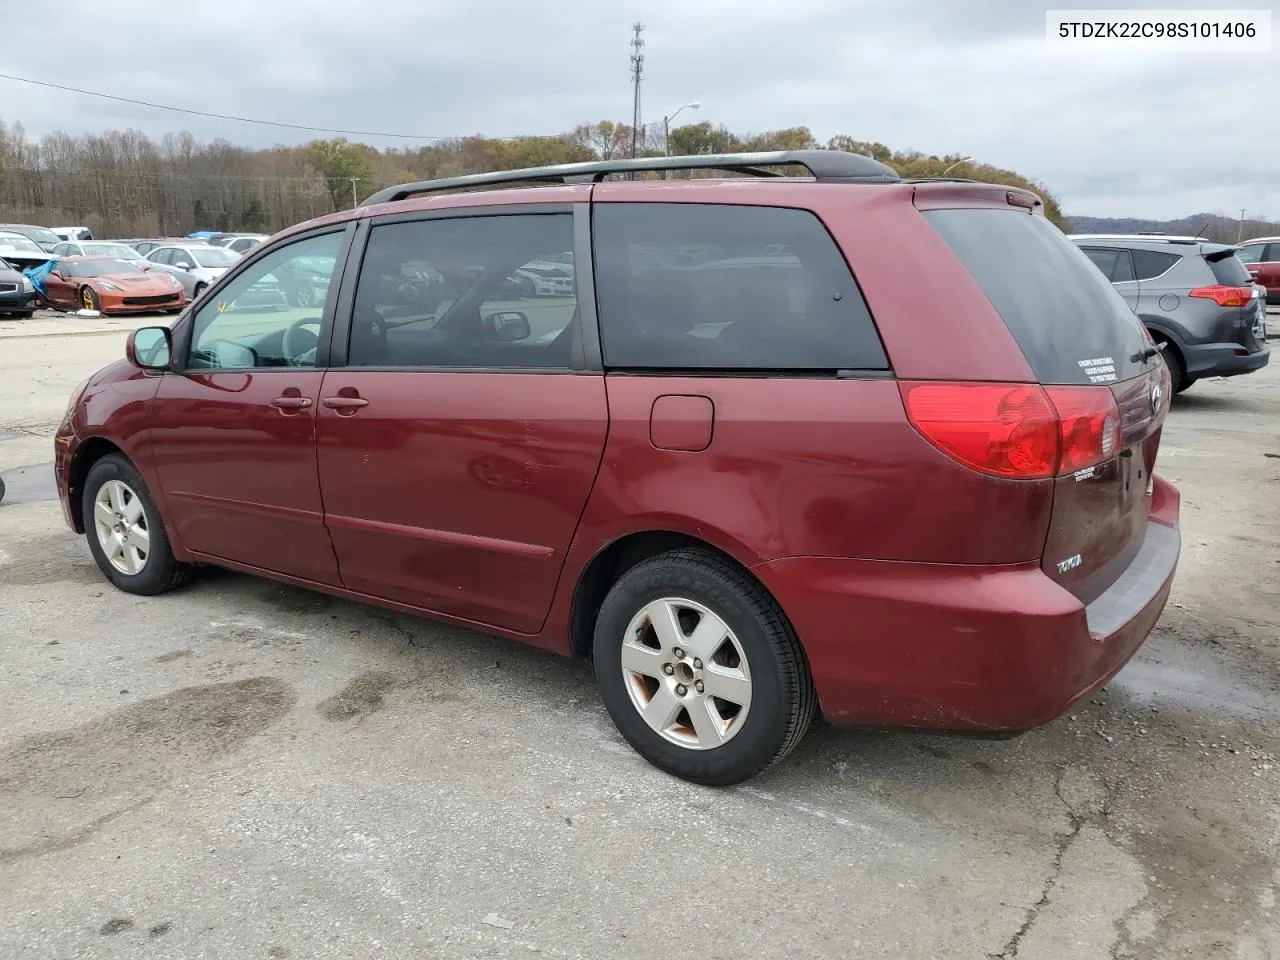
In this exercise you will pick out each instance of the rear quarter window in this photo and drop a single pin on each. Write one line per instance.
(1071, 324)
(702, 287)
(1149, 264)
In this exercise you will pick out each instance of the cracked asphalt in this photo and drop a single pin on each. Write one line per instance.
(246, 770)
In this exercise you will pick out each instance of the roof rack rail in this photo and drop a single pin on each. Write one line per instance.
(829, 165)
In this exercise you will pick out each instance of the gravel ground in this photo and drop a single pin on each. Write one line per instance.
(245, 770)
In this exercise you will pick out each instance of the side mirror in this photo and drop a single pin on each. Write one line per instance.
(507, 326)
(149, 348)
(56, 273)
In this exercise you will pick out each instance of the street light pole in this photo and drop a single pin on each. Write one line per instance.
(666, 124)
(354, 202)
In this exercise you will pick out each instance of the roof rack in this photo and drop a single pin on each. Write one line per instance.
(828, 165)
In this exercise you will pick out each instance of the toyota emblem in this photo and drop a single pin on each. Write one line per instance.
(1156, 396)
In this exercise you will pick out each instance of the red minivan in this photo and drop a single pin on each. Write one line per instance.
(750, 458)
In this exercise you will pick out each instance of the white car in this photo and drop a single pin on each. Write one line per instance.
(197, 265)
(73, 233)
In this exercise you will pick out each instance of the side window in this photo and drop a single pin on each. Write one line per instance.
(1104, 259)
(719, 287)
(258, 319)
(1252, 253)
(1149, 264)
(62, 249)
(495, 291)
(1122, 272)
(159, 256)
(180, 258)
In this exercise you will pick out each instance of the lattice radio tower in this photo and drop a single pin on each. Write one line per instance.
(637, 70)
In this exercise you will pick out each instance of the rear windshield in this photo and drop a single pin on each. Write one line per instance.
(1229, 270)
(1072, 325)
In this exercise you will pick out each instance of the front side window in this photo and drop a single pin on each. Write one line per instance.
(468, 292)
(253, 322)
(160, 255)
(718, 287)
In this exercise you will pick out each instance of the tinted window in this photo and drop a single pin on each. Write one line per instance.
(257, 319)
(1148, 264)
(467, 292)
(1122, 272)
(702, 287)
(1227, 269)
(1072, 325)
(159, 256)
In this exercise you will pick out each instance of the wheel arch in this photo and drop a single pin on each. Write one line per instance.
(89, 452)
(618, 556)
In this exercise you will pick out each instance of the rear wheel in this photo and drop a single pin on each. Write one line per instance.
(700, 670)
(200, 288)
(125, 532)
(89, 299)
(1177, 371)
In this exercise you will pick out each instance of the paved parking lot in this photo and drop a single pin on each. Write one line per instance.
(248, 770)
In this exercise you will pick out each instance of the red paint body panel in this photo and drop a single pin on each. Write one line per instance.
(951, 646)
(460, 492)
(799, 467)
(239, 474)
(64, 292)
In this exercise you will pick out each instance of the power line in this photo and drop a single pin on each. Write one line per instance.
(238, 119)
(170, 176)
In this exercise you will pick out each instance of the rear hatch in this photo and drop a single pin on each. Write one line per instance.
(1244, 305)
(1099, 372)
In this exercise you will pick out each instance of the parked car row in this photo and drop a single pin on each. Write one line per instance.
(1196, 298)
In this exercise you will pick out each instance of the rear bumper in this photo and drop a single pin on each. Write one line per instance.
(1220, 360)
(962, 647)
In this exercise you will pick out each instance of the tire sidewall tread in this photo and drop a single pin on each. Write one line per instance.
(162, 571)
(782, 697)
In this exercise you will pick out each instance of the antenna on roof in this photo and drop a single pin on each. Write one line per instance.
(1201, 230)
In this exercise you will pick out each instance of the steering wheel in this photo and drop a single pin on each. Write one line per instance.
(298, 341)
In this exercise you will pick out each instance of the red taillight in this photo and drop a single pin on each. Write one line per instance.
(1088, 426)
(1016, 430)
(1224, 296)
(1009, 430)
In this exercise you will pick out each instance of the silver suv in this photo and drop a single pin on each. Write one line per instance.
(1196, 299)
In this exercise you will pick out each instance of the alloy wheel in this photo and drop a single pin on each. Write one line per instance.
(686, 673)
(121, 526)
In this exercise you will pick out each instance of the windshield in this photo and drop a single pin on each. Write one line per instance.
(40, 235)
(97, 267)
(17, 243)
(119, 251)
(215, 257)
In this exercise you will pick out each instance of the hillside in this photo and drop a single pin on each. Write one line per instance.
(122, 183)
(1211, 226)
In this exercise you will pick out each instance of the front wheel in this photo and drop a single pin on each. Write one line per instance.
(700, 670)
(125, 532)
(89, 299)
(200, 288)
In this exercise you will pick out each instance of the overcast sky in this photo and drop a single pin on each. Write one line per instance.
(1111, 134)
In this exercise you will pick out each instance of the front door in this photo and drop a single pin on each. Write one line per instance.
(460, 440)
(234, 433)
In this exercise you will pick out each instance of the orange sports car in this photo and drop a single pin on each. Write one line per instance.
(111, 286)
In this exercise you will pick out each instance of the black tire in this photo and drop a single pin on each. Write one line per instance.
(1177, 372)
(89, 299)
(24, 315)
(200, 288)
(1, 488)
(782, 700)
(160, 572)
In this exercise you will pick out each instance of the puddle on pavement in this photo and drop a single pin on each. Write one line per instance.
(58, 789)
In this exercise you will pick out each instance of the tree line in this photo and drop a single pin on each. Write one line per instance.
(124, 184)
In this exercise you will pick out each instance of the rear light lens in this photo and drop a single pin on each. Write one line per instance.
(1088, 426)
(1224, 296)
(1015, 430)
(1009, 430)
